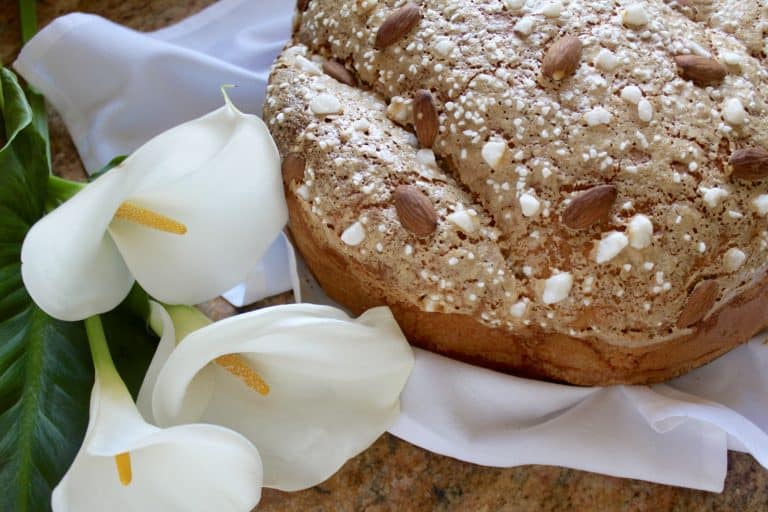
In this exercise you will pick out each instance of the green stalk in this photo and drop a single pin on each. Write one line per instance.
(97, 340)
(186, 319)
(28, 16)
(28, 22)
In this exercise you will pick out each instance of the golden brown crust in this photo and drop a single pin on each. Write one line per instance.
(548, 356)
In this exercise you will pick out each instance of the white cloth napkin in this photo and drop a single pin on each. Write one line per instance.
(115, 88)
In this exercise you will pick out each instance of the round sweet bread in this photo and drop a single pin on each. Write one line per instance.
(570, 190)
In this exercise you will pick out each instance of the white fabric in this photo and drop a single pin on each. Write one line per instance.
(116, 88)
(273, 274)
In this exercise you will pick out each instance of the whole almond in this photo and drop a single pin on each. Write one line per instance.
(589, 207)
(415, 210)
(562, 58)
(301, 5)
(424, 118)
(700, 70)
(699, 302)
(293, 168)
(749, 163)
(339, 72)
(397, 25)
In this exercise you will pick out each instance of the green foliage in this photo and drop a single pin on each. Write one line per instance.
(131, 342)
(44, 364)
(110, 165)
(46, 372)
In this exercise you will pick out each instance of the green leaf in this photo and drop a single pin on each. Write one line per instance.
(61, 190)
(110, 165)
(16, 114)
(44, 387)
(46, 372)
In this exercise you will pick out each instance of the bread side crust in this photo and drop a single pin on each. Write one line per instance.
(546, 355)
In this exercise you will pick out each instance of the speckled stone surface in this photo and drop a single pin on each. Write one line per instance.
(392, 474)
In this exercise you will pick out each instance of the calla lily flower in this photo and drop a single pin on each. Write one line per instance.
(126, 464)
(309, 386)
(186, 215)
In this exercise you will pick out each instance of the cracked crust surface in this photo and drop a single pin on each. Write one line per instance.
(513, 150)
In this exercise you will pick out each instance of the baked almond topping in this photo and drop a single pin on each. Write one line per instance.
(415, 210)
(589, 207)
(301, 5)
(397, 25)
(562, 58)
(700, 70)
(424, 118)
(293, 168)
(699, 302)
(749, 163)
(337, 71)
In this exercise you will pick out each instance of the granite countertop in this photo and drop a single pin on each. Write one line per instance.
(392, 474)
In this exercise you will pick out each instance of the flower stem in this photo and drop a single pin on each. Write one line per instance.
(28, 28)
(102, 360)
(186, 319)
(28, 18)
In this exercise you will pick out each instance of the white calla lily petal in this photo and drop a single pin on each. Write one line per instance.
(188, 319)
(70, 265)
(334, 385)
(220, 177)
(161, 322)
(183, 468)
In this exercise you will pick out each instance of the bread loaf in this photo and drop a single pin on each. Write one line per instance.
(570, 190)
